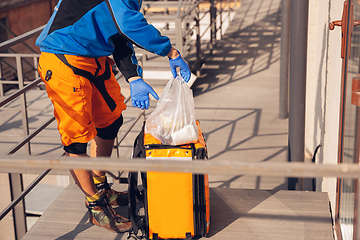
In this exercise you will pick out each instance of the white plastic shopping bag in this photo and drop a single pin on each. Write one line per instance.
(173, 120)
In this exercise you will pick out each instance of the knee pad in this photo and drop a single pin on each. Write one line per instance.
(111, 131)
(76, 148)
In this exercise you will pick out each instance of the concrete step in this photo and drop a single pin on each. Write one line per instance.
(251, 214)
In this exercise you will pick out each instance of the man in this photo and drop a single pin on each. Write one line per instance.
(79, 81)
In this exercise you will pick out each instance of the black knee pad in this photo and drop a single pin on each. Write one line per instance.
(76, 148)
(111, 131)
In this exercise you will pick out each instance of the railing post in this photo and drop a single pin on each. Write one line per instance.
(19, 215)
(1, 84)
(117, 146)
(356, 223)
(357, 206)
(198, 42)
(297, 84)
(35, 59)
(229, 12)
(221, 20)
(356, 217)
(178, 35)
(24, 113)
(284, 60)
(213, 25)
(15, 179)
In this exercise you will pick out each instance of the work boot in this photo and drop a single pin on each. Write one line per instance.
(115, 198)
(102, 214)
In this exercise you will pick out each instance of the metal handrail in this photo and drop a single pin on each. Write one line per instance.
(20, 59)
(19, 54)
(12, 33)
(187, 15)
(225, 166)
(189, 11)
(19, 212)
(31, 136)
(23, 194)
(19, 92)
(20, 38)
(29, 109)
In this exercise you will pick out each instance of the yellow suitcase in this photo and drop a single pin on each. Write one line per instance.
(176, 204)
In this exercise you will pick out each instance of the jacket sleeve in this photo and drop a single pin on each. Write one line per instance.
(132, 25)
(125, 59)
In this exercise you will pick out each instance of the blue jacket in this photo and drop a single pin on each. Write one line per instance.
(98, 28)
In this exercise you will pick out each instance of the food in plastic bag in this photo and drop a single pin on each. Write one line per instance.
(173, 120)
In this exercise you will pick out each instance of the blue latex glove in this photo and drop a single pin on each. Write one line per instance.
(139, 92)
(183, 65)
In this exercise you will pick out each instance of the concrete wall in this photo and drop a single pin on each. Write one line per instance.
(323, 87)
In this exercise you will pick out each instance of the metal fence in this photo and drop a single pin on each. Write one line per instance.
(182, 19)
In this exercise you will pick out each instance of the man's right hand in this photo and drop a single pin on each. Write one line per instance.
(176, 60)
(139, 92)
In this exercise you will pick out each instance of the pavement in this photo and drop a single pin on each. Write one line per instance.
(236, 101)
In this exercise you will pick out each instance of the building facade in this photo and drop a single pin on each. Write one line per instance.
(331, 110)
